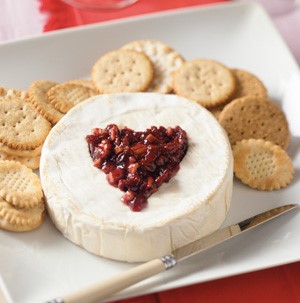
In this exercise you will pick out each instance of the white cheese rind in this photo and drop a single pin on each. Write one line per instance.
(88, 211)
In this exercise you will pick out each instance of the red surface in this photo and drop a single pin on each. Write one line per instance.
(62, 15)
(274, 285)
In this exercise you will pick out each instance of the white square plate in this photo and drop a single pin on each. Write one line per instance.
(41, 264)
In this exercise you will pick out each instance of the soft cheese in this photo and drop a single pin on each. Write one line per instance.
(88, 211)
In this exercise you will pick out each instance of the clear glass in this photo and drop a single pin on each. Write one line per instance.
(100, 4)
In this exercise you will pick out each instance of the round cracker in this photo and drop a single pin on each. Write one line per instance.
(21, 125)
(122, 71)
(248, 85)
(31, 162)
(262, 164)
(21, 152)
(19, 185)
(250, 117)
(66, 95)
(208, 82)
(20, 219)
(165, 61)
(38, 96)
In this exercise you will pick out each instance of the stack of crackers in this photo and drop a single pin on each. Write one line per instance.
(21, 197)
(22, 131)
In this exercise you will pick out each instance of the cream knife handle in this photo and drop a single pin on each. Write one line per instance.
(104, 289)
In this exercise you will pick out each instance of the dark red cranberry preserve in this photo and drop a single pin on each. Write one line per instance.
(137, 162)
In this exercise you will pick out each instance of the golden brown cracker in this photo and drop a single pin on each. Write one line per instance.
(31, 162)
(251, 117)
(208, 82)
(19, 185)
(11, 93)
(248, 84)
(165, 61)
(66, 95)
(122, 71)
(21, 152)
(20, 219)
(84, 82)
(38, 96)
(21, 125)
(262, 164)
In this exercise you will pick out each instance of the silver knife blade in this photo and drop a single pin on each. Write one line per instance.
(229, 232)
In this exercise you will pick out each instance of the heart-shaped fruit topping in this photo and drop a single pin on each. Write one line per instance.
(137, 162)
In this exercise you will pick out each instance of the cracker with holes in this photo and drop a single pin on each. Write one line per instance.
(66, 95)
(20, 219)
(21, 125)
(256, 118)
(122, 71)
(208, 82)
(248, 85)
(19, 186)
(165, 61)
(262, 164)
(38, 96)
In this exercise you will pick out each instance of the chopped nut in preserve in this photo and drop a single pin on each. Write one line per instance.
(137, 162)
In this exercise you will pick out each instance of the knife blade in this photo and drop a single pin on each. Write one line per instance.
(104, 289)
(229, 232)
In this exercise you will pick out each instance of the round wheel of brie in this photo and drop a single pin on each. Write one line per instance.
(88, 210)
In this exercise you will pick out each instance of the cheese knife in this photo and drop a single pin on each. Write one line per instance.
(104, 289)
